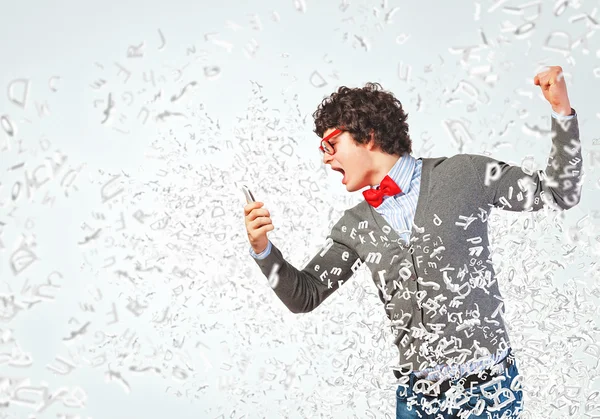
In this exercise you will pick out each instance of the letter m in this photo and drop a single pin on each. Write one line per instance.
(373, 257)
(336, 271)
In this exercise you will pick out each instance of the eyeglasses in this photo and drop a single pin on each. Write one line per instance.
(326, 146)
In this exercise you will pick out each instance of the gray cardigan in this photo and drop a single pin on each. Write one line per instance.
(440, 292)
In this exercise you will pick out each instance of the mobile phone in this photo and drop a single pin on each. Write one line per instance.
(248, 194)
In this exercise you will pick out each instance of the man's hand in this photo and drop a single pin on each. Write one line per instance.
(258, 224)
(554, 89)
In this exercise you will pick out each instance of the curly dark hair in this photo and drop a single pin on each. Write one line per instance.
(366, 109)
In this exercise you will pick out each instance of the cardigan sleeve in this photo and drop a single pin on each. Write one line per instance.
(304, 290)
(510, 188)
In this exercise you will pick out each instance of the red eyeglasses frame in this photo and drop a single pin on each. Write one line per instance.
(334, 133)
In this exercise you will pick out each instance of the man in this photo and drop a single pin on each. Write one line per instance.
(422, 232)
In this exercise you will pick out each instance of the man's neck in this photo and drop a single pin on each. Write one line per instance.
(382, 164)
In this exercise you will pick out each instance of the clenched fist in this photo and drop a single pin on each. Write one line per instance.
(554, 88)
(258, 223)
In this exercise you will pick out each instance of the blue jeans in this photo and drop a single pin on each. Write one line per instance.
(494, 399)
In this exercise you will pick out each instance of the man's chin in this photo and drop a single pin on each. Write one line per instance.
(351, 188)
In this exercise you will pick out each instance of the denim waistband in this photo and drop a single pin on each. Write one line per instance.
(412, 378)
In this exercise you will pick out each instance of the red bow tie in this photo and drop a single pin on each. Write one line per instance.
(387, 188)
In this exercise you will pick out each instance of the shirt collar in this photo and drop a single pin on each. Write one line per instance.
(402, 172)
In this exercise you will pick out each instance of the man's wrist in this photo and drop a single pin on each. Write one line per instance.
(563, 110)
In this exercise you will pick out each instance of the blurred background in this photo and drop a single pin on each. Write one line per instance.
(126, 285)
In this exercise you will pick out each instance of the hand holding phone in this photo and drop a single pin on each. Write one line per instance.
(258, 222)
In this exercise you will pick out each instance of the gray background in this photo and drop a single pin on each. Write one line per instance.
(75, 239)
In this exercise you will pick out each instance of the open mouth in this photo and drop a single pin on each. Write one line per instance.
(342, 172)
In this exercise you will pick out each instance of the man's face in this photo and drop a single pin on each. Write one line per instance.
(350, 157)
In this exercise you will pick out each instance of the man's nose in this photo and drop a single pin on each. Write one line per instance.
(327, 158)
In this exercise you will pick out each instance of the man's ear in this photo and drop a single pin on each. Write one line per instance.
(371, 143)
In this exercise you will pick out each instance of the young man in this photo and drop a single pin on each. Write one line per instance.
(422, 232)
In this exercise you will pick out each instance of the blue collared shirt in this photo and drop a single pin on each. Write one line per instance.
(399, 210)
